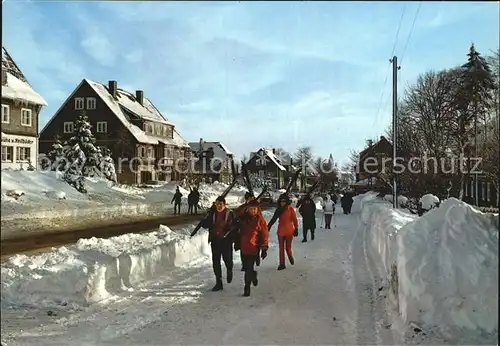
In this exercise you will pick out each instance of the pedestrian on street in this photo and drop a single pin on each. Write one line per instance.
(328, 211)
(177, 199)
(222, 247)
(308, 211)
(254, 241)
(288, 227)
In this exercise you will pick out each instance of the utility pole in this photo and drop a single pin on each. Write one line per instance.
(476, 154)
(395, 69)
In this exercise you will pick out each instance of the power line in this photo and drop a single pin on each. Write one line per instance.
(411, 31)
(389, 66)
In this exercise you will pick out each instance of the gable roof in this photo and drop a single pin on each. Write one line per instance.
(17, 86)
(195, 146)
(269, 154)
(374, 146)
(125, 105)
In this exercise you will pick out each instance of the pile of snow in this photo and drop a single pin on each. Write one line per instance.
(94, 269)
(442, 267)
(46, 197)
(429, 201)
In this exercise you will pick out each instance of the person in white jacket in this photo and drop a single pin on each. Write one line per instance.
(328, 210)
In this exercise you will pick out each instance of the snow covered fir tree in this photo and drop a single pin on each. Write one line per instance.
(79, 157)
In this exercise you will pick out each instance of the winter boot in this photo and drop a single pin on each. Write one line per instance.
(246, 291)
(255, 281)
(291, 259)
(312, 235)
(305, 240)
(229, 276)
(218, 286)
(281, 267)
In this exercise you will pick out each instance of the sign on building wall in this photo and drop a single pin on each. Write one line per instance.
(19, 151)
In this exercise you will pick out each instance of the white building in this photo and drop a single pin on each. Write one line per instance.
(21, 107)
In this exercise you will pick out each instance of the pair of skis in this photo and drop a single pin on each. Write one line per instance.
(210, 213)
(279, 209)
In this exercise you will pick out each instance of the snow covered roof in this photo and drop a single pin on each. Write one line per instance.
(269, 153)
(195, 146)
(147, 112)
(16, 86)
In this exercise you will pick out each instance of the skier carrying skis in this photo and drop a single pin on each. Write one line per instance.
(287, 228)
(177, 199)
(196, 200)
(218, 226)
(254, 240)
(239, 213)
(191, 202)
(328, 211)
(308, 210)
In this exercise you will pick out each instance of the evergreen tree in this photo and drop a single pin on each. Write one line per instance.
(56, 156)
(86, 143)
(107, 166)
(76, 162)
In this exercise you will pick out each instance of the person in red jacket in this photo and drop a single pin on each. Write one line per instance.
(254, 240)
(287, 228)
(239, 213)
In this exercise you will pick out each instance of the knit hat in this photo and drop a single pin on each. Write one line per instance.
(221, 199)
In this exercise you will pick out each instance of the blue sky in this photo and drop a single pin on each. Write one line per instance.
(248, 74)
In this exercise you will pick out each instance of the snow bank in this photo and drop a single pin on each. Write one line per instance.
(429, 201)
(448, 268)
(442, 267)
(94, 269)
(54, 204)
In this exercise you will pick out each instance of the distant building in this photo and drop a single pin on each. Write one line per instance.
(21, 107)
(216, 158)
(147, 144)
(267, 163)
(370, 165)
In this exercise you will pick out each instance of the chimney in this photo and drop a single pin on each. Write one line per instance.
(370, 142)
(382, 138)
(274, 151)
(139, 96)
(112, 88)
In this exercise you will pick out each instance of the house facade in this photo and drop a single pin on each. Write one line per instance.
(212, 161)
(145, 146)
(371, 164)
(267, 163)
(21, 106)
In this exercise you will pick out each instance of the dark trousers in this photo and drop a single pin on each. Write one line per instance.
(304, 231)
(195, 207)
(328, 221)
(190, 209)
(249, 265)
(222, 248)
(177, 208)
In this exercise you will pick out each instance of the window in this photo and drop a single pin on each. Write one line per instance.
(165, 130)
(79, 103)
(170, 132)
(69, 127)
(7, 153)
(91, 102)
(25, 117)
(149, 127)
(5, 114)
(488, 191)
(483, 191)
(102, 127)
(158, 129)
(23, 154)
(143, 152)
(150, 152)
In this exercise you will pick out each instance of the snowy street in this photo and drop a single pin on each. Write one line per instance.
(330, 296)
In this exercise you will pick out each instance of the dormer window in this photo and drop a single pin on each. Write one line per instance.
(148, 127)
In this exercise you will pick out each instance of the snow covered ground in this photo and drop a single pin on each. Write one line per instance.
(442, 268)
(43, 196)
(154, 290)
